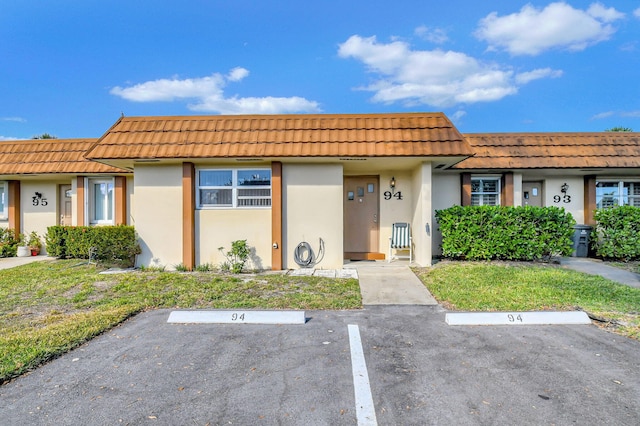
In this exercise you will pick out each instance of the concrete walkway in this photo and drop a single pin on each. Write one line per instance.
(597, 267)
(12, 262)
(394, 283)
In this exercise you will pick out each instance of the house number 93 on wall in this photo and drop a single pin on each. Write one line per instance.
(562, 198)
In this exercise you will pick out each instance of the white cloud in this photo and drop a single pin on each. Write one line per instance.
(457, 116)
(237, 74)
(8, 138)
(629, 46)
(208, 93)
(636, 13)
(526, 77)
(533, 31)
(625, 114)
(14, 119)
(170, 90)
(434, 77)
(265, 105)
(601, 115)
(598, 11)
(433, 35)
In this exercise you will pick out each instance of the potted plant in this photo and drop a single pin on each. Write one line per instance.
(34, 243)
(23, 248)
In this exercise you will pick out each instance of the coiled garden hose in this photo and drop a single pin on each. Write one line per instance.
(303, 254)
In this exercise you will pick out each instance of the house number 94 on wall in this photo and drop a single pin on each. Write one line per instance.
(389, 195)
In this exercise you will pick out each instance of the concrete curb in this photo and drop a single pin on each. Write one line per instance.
(518, 318)
(240, 316)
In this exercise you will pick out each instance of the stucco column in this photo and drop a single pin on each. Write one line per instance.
(465, 185)
(13, 209)
(517, 189)
(422, 227)
(507, 189)
(80, 201)
(120, 200)
(276, 215)
(188, 216)
(589, 200)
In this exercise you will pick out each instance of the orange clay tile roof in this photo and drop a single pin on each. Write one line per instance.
(552, 150)
(317, 135)
(42, 156)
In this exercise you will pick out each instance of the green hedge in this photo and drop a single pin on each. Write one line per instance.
(109, 244)
(8, 242)
(617, 233)
(506, 233)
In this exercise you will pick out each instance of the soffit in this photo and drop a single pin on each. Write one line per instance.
(319, 135)
(45, 156)
(552, 150)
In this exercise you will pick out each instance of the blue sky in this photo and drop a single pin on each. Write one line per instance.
(70, 68)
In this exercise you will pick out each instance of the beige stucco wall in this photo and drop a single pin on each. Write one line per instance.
(446, 193)
(158, 214)
(38, 218)
(220, 227)
(394, 210)
(74, 201)
(422, 214)
(575, 194)
(130, 200)
(517, 189)
(312, 209)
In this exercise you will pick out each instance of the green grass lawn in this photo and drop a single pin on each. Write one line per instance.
(477, 286)
(48, 308)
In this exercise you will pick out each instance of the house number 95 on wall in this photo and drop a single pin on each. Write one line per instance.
(39, 200)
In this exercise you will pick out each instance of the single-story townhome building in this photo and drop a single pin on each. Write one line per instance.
(336, 182)
(45, 182)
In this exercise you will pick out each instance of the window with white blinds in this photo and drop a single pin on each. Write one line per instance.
(485, 191)
(234, 188)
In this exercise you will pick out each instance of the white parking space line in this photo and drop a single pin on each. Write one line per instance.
(365, 411)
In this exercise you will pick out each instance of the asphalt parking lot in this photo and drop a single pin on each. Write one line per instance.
(420, 372)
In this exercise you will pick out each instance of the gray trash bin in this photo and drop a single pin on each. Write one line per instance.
(581, 236)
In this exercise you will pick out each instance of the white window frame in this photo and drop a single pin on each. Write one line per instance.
(481, 193)
(618, 199)
(90, 200)
(235, 189)
(4, 194)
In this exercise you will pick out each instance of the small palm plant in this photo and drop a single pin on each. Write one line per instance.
(236, 257)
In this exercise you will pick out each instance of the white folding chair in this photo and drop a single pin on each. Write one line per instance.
(400, 240)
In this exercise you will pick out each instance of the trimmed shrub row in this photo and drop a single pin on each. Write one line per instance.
(505, 233)
(109, 244)
(617, 233)
(8, 242)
